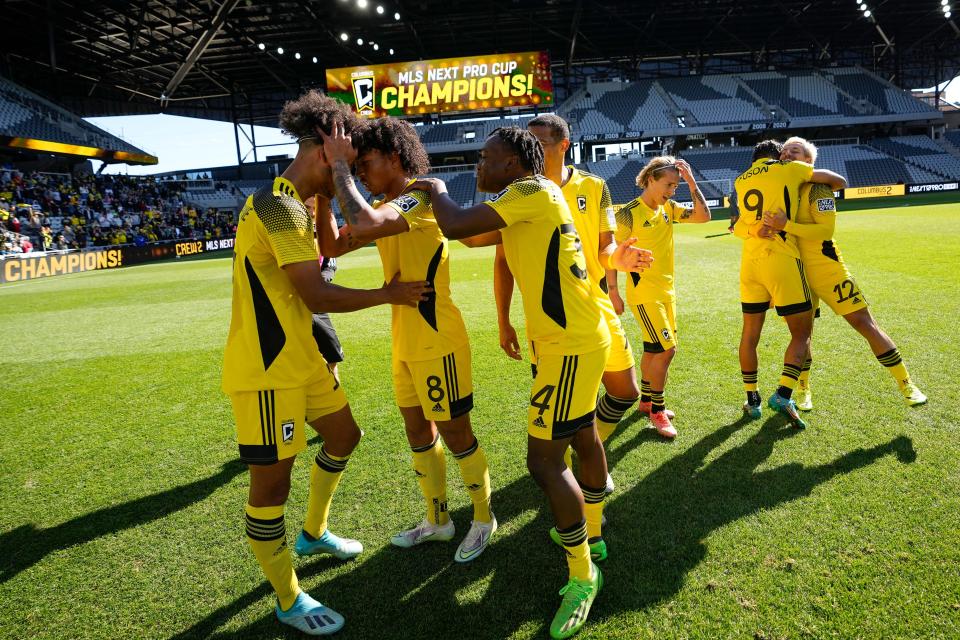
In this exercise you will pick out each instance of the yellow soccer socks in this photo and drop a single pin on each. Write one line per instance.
(430, 465)
(476, 477)
(324, 478)
(267, 536)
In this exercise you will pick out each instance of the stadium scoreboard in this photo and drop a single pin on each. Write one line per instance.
(478, 83)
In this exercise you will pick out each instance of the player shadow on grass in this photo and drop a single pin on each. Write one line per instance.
(422, 593)
(26, 545)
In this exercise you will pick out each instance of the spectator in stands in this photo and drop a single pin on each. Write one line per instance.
(25, 245)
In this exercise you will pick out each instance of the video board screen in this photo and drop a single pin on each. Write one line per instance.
(477, 83)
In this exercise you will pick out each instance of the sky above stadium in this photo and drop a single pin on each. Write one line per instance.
(192, 143)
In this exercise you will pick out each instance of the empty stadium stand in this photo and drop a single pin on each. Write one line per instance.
(25, 114)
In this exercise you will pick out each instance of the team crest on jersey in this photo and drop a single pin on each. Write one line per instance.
(582, 203)
(363, 91)
(287, 429)
(406, 203)
(826, 204)
(499, 195)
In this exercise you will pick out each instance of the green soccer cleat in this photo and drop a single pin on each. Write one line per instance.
(342, 548)
(598, 548)
(310, 617)
(913, 396)
(578, 597)
(787, 407)
(804, 399)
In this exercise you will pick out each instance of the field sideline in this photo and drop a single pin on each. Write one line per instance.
(123, 502)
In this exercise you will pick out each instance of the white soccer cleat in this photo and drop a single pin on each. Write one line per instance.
(423, 532)
(477, 540)
(913, 396)
(609, 488)
(804, 399)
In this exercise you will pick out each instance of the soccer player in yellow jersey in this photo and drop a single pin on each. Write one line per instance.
(431, 351)
(589, 201)
(771, 271)
(829, 278)
(273, 371)
(651, 295)
(569, 337)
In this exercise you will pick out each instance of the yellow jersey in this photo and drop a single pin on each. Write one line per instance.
(590, 204)
(769, 185)
(543, 252)
(270, 344)
(817, 213)
(653, 229)
(434, 328)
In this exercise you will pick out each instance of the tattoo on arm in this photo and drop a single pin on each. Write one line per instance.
(351, 202)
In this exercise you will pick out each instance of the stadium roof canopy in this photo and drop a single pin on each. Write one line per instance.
(202, 58)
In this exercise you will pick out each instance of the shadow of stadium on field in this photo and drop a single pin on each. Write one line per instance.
(26, 545)
(422, 593)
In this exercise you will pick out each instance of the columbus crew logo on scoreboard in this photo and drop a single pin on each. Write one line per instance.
(363, 91)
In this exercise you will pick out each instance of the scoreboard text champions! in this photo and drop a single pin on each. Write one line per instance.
(477, 83)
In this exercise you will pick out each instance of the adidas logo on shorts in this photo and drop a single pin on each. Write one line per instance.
(438, 408)
(539, 422)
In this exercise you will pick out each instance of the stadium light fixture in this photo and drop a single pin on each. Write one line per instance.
(261, 46)
(866, 14)
(280, 50)
(946, 14)
(314, 59)
(362, 4)
(297, 55)
(944, 2)
(376, 47)
(380, 9)
(391, 51)
(360, 42)
(344, 37)
(396, 16)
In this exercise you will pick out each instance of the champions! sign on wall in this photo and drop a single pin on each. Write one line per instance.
(451, 84)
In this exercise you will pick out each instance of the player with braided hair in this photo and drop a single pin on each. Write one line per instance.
(273, 371)
(431, 351)
(569, 341)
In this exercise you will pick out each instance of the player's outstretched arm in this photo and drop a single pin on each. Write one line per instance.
(321, 296)
(834, 180)
(334, 241)
(487, 239)
(701, 210)
(503, 296)
(454, 221)
(364, 220)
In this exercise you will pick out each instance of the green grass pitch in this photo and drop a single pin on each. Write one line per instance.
(122, 502)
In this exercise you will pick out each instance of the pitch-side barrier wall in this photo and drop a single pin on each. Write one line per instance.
(15, 268)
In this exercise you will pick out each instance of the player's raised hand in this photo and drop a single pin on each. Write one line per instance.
(509, 342)
(430, 185)
(338, 145)
(776, 220)
(407, 293)
(627, 257)
(686, 172)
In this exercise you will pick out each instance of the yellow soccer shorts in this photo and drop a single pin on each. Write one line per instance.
(774, 277)
(564, 395)
(833, 284)
(658, 324)
(442, 387)
(621, 354)
(271, 423)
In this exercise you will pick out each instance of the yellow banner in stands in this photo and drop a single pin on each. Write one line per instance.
(876, 191)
